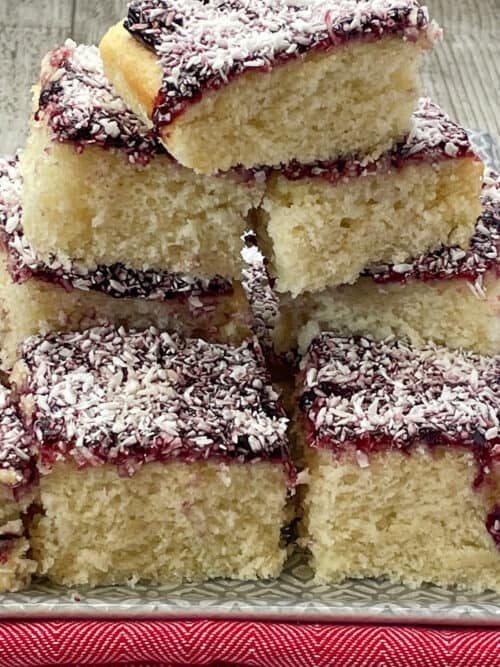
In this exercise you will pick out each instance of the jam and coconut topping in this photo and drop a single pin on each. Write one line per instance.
(107, 396)
(204, 45)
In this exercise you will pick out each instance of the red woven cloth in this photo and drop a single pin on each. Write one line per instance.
(238, 644)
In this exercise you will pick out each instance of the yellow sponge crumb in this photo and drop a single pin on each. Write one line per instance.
(168, 523)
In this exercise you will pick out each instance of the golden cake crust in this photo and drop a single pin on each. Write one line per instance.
(137, 69)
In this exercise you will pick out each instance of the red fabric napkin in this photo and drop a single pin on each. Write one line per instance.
(237, 644)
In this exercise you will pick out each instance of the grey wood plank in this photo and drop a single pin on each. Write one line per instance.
(28, 30)
(36, 12)
(463, 71)
(93, 17)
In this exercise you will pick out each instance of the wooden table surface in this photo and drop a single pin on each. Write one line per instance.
(462, 74)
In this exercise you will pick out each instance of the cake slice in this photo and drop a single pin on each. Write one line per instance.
(38, 296)
(100, 189)
(403, 450)
(264, 305)
(323, 223)
(261, 296)
(450, 296)
(162, 458)
(16, 478)
(230, 83)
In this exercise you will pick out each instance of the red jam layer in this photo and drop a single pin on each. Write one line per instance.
(493, 524)
(367, 444)
(204, 45)
(161, 451)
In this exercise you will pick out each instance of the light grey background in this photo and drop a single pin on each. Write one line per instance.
(462, 74)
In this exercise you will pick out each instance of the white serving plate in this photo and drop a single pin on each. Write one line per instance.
(292, 597)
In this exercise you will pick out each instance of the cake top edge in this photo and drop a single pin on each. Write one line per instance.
(205, 44)
(261, 296)
(433, 136)
(80, 105)
(447, 262)
(361, 392)
(116, 280)
(131, 397)
(16, 452)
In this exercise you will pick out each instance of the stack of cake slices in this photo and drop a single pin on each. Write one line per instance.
(144, 438)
